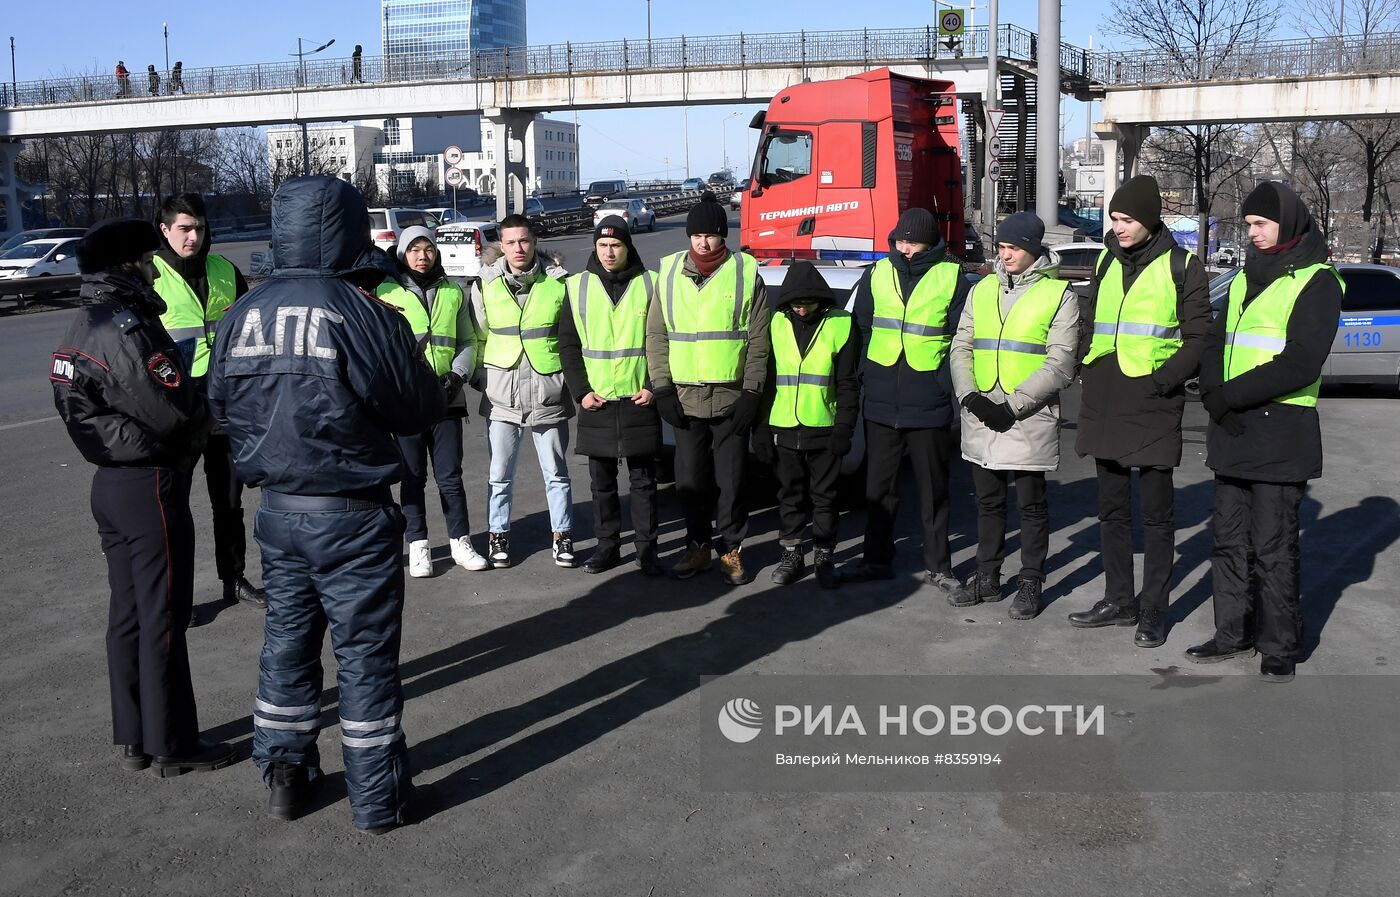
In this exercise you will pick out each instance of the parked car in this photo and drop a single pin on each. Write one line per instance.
(721, 181)
(1077, 261)
(385, 225)
(600, 192)
(461, 243)
(40, 258)
(43, 233)
(736, 199)
(637, 214)
(445, 216)
(693, 184)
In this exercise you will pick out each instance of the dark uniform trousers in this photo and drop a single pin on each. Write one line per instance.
(1257, 603)
(607, 505)
(930, 452)
(1156, 493)
(443, 443)
(807, 490)
(709, 481)
(226, 499)
(340, 568)
(143, 517)
(992, 487)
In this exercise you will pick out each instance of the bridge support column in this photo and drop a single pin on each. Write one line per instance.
(9, 186)
(1116, 139)
(508, 127)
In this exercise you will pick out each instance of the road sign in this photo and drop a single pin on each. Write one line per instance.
(452, 155)
(994, 147)
(994, 117)
(953, 44)
(994, 169)
(951, 22)
(455, 177)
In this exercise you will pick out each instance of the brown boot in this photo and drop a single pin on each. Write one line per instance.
(697, 558)
(732, 568)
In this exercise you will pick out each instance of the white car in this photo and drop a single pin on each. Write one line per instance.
(635, 212)
(445, 216)
(385, 225)
(461, 245)
(40, 258)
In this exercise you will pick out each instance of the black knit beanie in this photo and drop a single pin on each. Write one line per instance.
(108, 244)
(1022, 229)
(707, 217)
(1139, 198)
(917, 226)
(613, 226)
(1263, 201)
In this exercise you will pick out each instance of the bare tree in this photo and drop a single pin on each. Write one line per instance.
(241, 165)
(1198, 40)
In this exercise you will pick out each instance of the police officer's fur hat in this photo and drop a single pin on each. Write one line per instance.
(108, 244)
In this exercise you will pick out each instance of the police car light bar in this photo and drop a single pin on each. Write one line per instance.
(820, 255)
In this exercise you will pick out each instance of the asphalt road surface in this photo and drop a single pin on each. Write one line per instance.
(555, 719)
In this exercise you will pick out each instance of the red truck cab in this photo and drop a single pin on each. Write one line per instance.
(837, 162)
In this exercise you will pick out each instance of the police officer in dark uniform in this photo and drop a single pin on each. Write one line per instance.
(132, 409)
(312, 377)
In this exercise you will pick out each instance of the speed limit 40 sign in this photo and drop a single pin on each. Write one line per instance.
(951, 22)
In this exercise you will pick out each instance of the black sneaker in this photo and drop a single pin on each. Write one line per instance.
(564, 550)
(134, 758)
(954, 591)
(291, 791)
(985, 586)
(203, 757)
(498, 550)
(792, 567)
(1026, 604)
(827, 577)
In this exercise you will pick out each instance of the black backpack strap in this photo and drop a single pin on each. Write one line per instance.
(1178, 263)
(1105, 259)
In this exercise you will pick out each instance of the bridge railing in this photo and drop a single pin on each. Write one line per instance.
(871, 46)
(1302, 57)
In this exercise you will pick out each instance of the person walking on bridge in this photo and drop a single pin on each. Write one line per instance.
(123, 80)
(154, 78)
(1150, 306)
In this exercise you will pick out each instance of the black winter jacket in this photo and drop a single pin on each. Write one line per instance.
(621, 428)
(899, 396)
(119, 384)
(1280, 443)
(1136, 421)
(311, 376)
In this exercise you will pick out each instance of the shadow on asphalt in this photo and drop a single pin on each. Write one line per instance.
(1340, 550)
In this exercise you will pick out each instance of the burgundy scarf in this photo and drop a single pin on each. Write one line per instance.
(709, 264)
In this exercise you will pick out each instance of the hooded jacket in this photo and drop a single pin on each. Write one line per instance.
(519, 395)
(805, 282)
(1136, 421)
(119, 383)
(311, 376)
(621, 428)
(899, 396)
(1280, 443)
(1033, 443)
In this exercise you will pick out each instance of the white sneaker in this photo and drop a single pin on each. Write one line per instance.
(420, 559)
(464, 554)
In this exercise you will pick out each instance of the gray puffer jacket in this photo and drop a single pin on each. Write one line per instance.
(1034, 442)
(519, 395)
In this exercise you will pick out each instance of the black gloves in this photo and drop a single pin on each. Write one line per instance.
(1161, 388)
(996, 415)
(840, 442)
(745, 411)
(668, 405)
(764, 449)
(451, 385)
(1215, 404)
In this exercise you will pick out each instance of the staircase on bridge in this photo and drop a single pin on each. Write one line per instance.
(1016, 187)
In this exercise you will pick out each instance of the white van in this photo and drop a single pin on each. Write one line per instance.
(461, 245)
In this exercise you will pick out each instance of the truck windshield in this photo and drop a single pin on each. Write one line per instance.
(787, 156)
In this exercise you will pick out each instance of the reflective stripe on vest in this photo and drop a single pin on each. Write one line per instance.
(185, 316)
(1006, 352)
(1257, 334)
(439, 327)
(532, 330)
(917, 329)
(806, 383)
(1141, 326)
(708, 327)
(613, 336)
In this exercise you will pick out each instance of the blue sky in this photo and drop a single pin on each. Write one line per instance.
(94, 35)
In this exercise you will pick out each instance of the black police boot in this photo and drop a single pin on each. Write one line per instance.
(291, 791)
(1152, 629)
(203, 757)
(242, 590)
(134, 758)
(792, 567)
(1210, 651)
(602, 560)
(1105, 613)
(985, 585)
(827, 577)
(1026, 604)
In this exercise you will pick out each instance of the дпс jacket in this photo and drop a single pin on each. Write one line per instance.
(312, 376)
(119, 384)
(1034, 442)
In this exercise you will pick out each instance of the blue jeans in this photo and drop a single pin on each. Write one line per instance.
(551, 442)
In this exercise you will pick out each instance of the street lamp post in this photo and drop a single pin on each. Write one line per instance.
(165, 32)
(648, 32)
(685, 113)
(724, 137)
(301, 71)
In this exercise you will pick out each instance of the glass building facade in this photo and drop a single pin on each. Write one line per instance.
(451, 27)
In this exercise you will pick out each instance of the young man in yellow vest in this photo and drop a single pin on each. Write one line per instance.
(1150, 308)
(516, 307)
(441, 320)
(1013, 353)
(809, 414)
(198, 287)
(707, 353)
(602, 342)
(906, 307)
(1260, 376)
